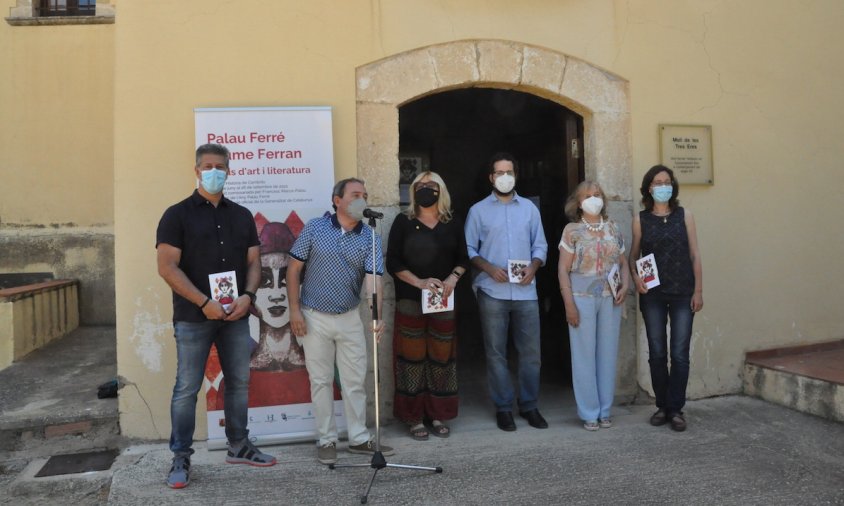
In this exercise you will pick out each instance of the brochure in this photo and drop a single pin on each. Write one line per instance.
(433, 302)
(514, 270)
(614, 279)
(223, 287)
(646, 267)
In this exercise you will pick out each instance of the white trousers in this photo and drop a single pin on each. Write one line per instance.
(340, 338)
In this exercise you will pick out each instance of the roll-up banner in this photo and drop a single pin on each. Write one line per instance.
(282, 170)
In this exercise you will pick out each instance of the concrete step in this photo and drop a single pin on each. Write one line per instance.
(53, 396)
(51, 408)
(808, 378)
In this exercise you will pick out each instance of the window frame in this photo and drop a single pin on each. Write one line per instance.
(50, 8)
(28, 13)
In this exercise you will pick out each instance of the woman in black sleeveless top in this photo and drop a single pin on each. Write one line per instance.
(668, 231)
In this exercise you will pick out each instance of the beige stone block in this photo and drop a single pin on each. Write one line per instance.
(39, 337)
(396, 79)
(55, 316)
(543, 69)
(455, 64)
(104, 9)
(73, 308)
(7, 332)
(20, 12)
(24, 325)
(596, 89)
(500, 62)
(62, 310)
(385, 363)
(608, 153)
(378, 148)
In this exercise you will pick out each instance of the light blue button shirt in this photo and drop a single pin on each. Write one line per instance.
(497, 232)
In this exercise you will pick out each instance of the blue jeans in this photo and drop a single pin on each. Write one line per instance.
(193, 343)
(657, 309)
(594, 353)
(522, 318)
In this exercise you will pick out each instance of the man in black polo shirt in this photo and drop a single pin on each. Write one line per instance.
(202, 235)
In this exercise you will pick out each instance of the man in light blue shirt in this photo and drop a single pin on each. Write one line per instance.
(507, 245)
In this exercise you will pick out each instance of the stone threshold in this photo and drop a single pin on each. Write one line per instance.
(821, 361)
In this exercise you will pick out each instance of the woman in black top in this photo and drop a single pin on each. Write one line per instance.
(426, 250)
(668, 231)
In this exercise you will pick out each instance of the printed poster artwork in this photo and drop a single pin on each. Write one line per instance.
(282, 169)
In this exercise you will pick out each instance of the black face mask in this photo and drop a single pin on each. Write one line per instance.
(426, 197)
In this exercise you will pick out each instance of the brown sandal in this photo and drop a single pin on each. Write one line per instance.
(419, 432)
(440, 429)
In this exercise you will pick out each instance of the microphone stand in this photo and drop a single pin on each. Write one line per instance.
(378, 461)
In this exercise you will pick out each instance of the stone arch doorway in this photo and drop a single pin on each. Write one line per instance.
(599, 97)
(453, 133)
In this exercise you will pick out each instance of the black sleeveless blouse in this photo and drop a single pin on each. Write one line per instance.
(667, 239)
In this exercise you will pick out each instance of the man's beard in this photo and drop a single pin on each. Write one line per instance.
(503, 194)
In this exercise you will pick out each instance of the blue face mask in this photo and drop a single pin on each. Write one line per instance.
(662, 194)
(213, 180)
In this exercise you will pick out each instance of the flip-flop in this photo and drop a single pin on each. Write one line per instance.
(440, 429)
(419, 432)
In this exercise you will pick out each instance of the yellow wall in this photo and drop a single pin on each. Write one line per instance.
(763, 73)
(56, 156)
(56, 133)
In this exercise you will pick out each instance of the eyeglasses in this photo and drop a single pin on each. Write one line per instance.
(503, 173)
(428, 184)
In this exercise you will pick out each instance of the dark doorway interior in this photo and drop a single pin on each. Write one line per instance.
(454, 133)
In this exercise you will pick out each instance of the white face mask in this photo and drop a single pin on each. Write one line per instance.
(505, 183)
(592, 205)
(355, 209)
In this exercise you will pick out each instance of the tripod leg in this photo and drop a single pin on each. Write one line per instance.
(365, 495)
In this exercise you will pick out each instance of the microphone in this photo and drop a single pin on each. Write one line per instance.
(369, 213)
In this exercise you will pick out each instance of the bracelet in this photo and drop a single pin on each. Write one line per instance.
(205, 303)
(251, 296)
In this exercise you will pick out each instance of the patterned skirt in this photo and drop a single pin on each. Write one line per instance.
(425, 364)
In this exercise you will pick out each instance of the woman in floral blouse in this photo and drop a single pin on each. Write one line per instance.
(589, 249)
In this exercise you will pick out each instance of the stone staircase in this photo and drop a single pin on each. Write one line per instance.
(808, 378)
(49, 407)
(32, 315)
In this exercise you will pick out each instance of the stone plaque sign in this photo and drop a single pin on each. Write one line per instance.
(687, 150)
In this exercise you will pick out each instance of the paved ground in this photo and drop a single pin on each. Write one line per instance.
(737, 450)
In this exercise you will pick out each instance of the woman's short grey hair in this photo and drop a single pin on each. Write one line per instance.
(572, 207)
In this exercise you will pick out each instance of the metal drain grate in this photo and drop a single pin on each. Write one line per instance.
(78, 463)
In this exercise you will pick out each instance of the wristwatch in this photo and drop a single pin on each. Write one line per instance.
(251, 296)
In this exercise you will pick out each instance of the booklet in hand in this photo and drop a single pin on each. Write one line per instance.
(223, 287)
(646, 267)
(514, 270)
(433, 302)
(614, 279)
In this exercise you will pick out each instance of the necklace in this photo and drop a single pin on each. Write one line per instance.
(663, 216)
(592, 227)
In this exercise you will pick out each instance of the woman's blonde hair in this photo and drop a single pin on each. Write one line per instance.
(443, 204)
(573, 210)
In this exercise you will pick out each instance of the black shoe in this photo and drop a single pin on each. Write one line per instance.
(534, 418)
(678, 422)
(659, 418)
(505, 421)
